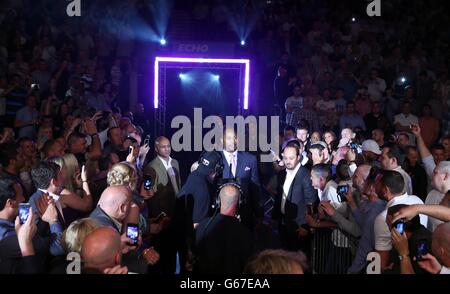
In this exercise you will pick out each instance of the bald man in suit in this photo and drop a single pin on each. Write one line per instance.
(165, 173)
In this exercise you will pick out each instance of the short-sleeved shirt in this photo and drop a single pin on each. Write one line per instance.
(383, 241)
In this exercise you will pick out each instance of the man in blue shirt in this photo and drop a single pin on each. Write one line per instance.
(365, 213)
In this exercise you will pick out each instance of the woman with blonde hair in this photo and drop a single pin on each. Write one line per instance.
(124, 173)
(75, 198)
(74, 235)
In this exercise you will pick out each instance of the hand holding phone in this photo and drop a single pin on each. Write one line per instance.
(24, 212)
(133, 233)
(342, 190)
(422, 249)
(399, 226)
(148, 183)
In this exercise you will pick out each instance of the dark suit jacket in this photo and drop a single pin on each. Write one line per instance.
(247, 171)
(247, 167)
(223, 245)
(164, 199)
(103, 219)
(300, 194)
(43, 226)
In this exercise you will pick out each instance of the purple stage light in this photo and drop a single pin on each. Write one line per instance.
(159, 59)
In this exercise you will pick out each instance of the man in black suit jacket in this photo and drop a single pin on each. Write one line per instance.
(295, 192)
(223, 245)
(243, 166)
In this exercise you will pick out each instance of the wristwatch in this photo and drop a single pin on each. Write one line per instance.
(401, 257)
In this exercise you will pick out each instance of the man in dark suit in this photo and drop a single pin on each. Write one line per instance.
(223, 244)
(48, 181)
(243, 166)
(166, 186)
(295, 192)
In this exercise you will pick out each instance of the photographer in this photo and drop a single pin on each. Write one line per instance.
(411, 241)
(19, 242)
(193, 203)
(439, 262)
(217, 249)
(112, 210)
(390, 187)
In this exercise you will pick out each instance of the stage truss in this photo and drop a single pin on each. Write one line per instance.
(161, 65)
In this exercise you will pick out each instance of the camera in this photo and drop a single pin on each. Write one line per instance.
(133, 233)
(399, 226)
(148, 183)
(341, 191)
(24, 211)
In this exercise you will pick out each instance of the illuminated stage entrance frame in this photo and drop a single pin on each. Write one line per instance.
(163, 63)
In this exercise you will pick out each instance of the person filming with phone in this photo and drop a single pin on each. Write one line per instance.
(411, 241)
(390, 186)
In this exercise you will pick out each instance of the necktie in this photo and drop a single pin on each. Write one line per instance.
(233, 164)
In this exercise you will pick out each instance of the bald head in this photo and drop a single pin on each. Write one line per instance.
(441, 243)
(115, 201)
(360, 176)
(101, 249)
(364, 170)
(162, 147)
(229, 198)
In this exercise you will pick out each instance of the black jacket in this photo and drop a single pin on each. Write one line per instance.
(223, 245)
(300, 194)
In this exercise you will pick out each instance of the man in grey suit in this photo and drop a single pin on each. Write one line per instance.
(167, 185)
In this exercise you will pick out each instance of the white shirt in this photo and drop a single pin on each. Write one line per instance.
(229, 154)
(406, 178)
(167, 164)
(329, 192)
(434, 197)
(383, 241)
(290, 175)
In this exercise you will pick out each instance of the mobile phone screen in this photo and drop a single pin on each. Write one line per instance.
(147, 183)
(133, 233)
(24, 211)
(421, 249)
(399, 227)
